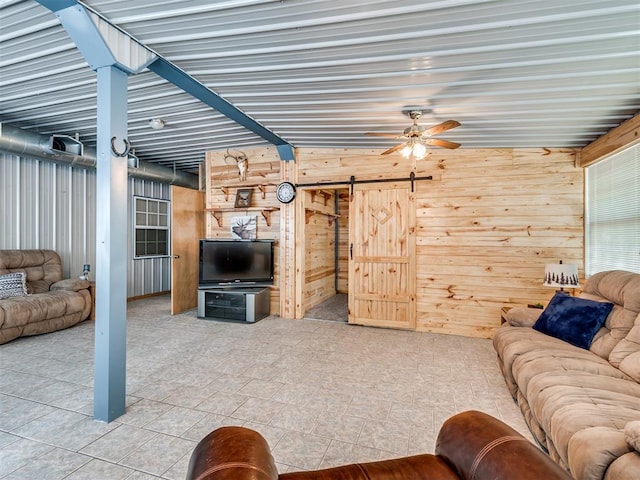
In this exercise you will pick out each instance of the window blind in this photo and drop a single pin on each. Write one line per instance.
(612, 213)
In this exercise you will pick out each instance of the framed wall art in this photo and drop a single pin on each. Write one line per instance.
(243, 197)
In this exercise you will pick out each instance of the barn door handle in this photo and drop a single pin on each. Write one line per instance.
(351, 251)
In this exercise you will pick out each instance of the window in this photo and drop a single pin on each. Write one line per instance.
(612, 213)
(151, 227)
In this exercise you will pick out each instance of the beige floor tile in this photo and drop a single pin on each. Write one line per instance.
(301, 450)
(321, 393)
(366, 407)
(222, 403)
(158, 454)
(296, 418)
(117, 444)
(20, 453)
(55, 464)
(100, 470)
(258, 410)
(142, 412)
(385, 436)
(341, 453)
(261, 388)
(175, 421)
(345, 428)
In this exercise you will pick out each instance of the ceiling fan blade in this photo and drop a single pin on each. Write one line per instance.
(441, 143)
(393, 149)
(388, 135)
(441, 127)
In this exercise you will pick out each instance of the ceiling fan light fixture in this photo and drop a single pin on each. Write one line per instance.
(406, 151)
(414, 149)
(419, 151)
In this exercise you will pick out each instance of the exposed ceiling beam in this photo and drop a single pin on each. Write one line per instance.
(622, 136)
(193, 87)
(97, 50)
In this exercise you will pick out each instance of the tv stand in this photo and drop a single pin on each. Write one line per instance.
(240, 304)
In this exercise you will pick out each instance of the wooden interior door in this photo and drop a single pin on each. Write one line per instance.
(382, 270)
(187, 227)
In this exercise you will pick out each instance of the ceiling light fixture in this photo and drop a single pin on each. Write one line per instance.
(156, 123)
(414, 148)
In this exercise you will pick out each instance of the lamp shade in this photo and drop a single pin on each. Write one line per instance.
(561, 275)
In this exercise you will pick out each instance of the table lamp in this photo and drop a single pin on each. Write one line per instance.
(561, 275)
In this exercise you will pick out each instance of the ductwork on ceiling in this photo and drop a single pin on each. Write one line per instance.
(21, 142)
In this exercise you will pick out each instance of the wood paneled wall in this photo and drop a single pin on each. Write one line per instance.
(319, 246)
(487, 223)
(343, 241)
(222, 182)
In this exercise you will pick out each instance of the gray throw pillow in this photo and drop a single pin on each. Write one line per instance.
(13, 285)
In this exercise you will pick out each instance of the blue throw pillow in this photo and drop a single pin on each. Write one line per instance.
(572, 319)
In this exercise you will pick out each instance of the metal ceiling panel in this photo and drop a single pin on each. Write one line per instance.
(321, 73)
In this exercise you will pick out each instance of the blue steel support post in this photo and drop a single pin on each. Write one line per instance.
(111, 247)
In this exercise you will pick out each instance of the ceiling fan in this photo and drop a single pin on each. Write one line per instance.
(419, 137)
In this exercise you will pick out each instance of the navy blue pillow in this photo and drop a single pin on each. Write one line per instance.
(572, 319)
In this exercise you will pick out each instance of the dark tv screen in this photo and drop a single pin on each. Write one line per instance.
(236, 262)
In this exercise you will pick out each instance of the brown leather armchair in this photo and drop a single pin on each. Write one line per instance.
(471, 446)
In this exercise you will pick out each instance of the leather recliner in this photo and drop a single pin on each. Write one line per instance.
(471, 446)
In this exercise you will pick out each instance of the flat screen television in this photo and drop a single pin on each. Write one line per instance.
(235, 263)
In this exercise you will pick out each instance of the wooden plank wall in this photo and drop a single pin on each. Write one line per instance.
(264, 169)
(343, 241)
(487, 223)
(319, 245)
(486, 227)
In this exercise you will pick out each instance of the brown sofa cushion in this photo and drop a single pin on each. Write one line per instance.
(632, 434)
(523, 316)
(588, 460)
(71, 284)
(623, 289)
(626, 354)
(42, 267)
(631, 366)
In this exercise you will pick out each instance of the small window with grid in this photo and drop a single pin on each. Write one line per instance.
(151, 227)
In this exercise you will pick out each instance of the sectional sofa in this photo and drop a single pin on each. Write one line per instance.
(34, 298)
(574, 370)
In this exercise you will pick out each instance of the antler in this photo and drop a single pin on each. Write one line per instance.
(242, 161)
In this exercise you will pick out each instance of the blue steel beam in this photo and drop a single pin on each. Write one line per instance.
(96, 51)
(110, 365)
(55, 5)
(186, 82)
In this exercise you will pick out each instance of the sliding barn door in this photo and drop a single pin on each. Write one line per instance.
(382, 270)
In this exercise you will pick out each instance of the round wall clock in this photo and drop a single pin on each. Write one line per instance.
(286, 192)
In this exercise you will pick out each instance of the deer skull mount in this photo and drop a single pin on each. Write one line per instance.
(241, 161)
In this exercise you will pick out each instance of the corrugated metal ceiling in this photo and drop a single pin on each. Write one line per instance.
(515, 73)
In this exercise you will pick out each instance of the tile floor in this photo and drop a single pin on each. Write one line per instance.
(322, 393)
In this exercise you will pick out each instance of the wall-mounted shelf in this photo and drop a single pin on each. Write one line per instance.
(325, 195)
(226, 189)
(310, 212)
(265, 212)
